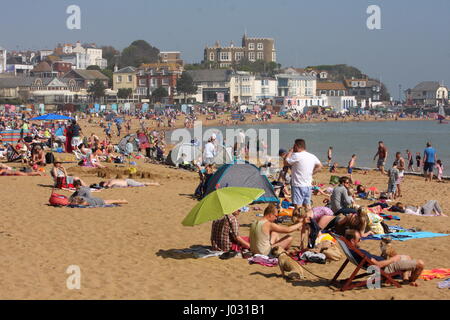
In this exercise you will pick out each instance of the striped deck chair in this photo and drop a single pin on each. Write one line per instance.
(348, 284)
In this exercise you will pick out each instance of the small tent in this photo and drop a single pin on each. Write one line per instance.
(191, 152)
(123, 143)
(242, 175)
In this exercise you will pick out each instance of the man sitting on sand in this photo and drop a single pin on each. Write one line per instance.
(265, 234)
(225, 233)
(411, 269)
(123, 183)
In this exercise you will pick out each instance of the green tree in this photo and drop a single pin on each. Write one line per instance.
(109, 74)
(137, 53)
(186, 85)
(97, 89)
(111, 55)
(159, 93)
(124, 93)
(93, 67)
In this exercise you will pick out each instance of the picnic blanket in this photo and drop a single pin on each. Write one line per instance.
(435, 274)
(389, 217)
(101, 206)
(403, 236)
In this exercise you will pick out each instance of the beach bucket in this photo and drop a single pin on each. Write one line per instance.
(59, 150)
(133, 163)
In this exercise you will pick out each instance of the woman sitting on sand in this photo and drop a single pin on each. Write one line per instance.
(59, 174)
(94, 201)
(8, 171)
(38, 157)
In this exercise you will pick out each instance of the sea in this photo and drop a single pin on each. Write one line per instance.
(360, 138)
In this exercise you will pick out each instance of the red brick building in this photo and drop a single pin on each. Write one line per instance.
(155, 75)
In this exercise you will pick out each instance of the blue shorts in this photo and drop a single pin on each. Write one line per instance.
(349, 170)
(428, 167)
(392, 188)
(301, 195)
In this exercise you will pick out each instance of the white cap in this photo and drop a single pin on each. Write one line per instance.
(213, 136)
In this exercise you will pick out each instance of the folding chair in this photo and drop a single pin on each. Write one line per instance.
(348, 284)
(12, 155)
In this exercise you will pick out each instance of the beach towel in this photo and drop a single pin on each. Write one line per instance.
(403, 236)
(73, 189)
(435, 274)
(444, 284)
(100, 206)
(389, 217)
(263, 260)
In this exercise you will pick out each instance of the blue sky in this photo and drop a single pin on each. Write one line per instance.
(413, 44)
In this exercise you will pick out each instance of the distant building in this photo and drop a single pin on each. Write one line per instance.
(364, 90)
(252, 49)
(292, 85)
(214, 83)
(125, 78)
(83, 79)
(61, 67)
(171, 57)
(3, 53)
(155, 75)
(427, 93)
(43, 70)
(331, 89)
(81, 56)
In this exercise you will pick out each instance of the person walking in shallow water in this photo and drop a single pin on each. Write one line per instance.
(382, 154)
(329, 156)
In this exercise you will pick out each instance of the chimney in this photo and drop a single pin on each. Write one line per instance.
(116, 68)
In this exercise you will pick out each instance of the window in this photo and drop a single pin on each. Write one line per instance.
(238, 55)
(251, 56)
(154, 82)
(165, 82)
(260, 46)
(354, 84)
(130, 78)
(245, 89)
(142, 82)
(119, 79)
(362, 84)
(274, 56)
(260, 55)
(225, 56)
(251, 46)
(211, 56)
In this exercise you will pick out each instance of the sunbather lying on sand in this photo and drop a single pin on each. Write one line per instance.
(7, 171)
(94, 201)
(123, 183)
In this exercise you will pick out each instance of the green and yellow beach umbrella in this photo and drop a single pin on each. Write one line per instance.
(221, 202)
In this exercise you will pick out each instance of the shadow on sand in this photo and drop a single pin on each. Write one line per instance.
(193, 252)
(295, 283)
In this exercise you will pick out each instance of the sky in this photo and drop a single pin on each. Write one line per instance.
(412, 45)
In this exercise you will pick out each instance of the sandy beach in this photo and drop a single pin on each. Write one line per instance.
(127, 252)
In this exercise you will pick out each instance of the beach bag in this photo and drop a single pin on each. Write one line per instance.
(49, 158)
(58, 200)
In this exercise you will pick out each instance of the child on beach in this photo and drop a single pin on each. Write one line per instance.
(333, 168)
(329, 155)
(440, 169)
(393, 177)
(418, 160)
(351, 164)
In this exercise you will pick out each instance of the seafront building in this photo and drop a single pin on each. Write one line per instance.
(427, 93)
(251, 49)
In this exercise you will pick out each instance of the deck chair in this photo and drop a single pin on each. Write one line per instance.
(348, 284)
(12, 155)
